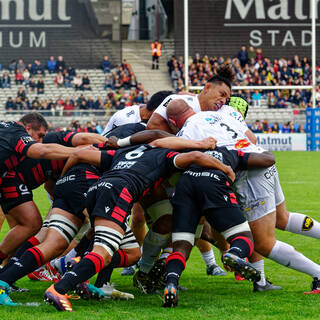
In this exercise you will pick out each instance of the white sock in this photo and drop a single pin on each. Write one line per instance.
(208, 258)
(302, 224)
(57, 263)
(165, 253)
(152, 246)
(259, 265)
(286, 255)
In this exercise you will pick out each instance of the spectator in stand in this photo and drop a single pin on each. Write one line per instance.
(83, 106)
(37, 68)
(59, 107)
(257, 127)
(21, 93)
(40, 86)
(251, 54)
(85, 82)
(67, 80)
(106, 64)
(6, 81)
(71, 71)
(256, 98)
(18, 77)
(108, 83)
(59, 79)
(259, 55)
(301, 129)
(77, 81)
(175, 76)
(19, 103)
(12, 66)
(26, 104)
(133, 82)
(52, 65)
(90, 103)
(20, 65)
(44, 107)
(32, 84)
(116, 82)
(171, 64)
(99, 104)
(60, 65)
(243, 56)
(272, 100)
(26, 77)
(68, 107)
(180, 86)
(275, 128)
(265, 126)
(10, 105)
(35, 105)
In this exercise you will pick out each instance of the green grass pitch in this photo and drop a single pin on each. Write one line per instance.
(208, 297)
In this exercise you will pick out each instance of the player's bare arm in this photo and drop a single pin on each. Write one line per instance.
(261, 160)
(184, 160)
(50, 151)
(158, 122)
(141, 137)
(87, 138)
(177, 143)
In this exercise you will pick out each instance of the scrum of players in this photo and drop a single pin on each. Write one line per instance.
(185, 165)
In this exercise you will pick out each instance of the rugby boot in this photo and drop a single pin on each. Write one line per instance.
(158, 274)
(112, 293)
(82, 290)
(5, 299)
(267, 287)
(238, 277)
(59, 301)
(95, 293)
(143, 282)
(315, 287)
(129, 271)
(170, 296)
(41, 274)
(235, 263)
(215, 270)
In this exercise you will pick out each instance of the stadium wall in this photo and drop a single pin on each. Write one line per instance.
(37, 29)
(281, 28)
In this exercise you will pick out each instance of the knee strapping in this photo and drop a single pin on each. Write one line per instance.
(183, 236)
(107, 238)
(159, 209)
(64, 226)
(236, 229)
(129, 240)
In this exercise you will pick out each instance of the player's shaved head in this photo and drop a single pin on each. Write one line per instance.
(178, 111)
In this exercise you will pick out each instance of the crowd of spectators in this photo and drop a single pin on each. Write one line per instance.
(266, 127)
(251, 67)
(74, 106)
(121, 87)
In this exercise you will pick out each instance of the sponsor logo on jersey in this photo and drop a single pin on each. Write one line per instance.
(66, 179)
(26, 139)
(254, 206)
(106, 209)
(243, 143)
(166, 104)
(130, 113)
(307, 224)
(270, 172)
(124, 165)
(215, 154)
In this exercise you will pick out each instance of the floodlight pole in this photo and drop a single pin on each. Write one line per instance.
(314, 57)
(186, 44)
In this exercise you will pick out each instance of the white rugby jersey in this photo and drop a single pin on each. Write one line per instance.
(225, 125)
(124, 116)
(192, 101)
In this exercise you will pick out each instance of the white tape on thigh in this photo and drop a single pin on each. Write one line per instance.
(64, 226)
(83, 230)
(236, 229)
(199, 231)
(129, 240)
(45, 223)
(185, 236)
(159, 209)
(107, 238)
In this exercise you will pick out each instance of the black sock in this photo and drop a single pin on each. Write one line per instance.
(175, 264)
(241, 246)
(33, 241)
(82, 246)
(119, 259)
(31, 260)
(84, 270)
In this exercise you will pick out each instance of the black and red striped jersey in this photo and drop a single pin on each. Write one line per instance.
(14, 144)
(35, 172)
(143, 166)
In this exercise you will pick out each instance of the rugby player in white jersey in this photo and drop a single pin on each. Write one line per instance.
(259, 191)
(136, 113)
